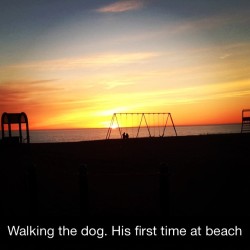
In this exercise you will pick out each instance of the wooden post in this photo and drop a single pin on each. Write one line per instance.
(164, 189)
(83, 188)
(32, 188)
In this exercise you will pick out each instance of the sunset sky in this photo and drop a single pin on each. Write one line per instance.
(73, 63)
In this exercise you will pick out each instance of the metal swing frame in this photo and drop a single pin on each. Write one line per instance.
(142, 117)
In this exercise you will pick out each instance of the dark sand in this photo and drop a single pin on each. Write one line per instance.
(208, 175)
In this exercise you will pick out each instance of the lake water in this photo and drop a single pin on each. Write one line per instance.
(74, 135)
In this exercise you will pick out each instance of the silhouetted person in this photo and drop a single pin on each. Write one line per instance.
(124, 135)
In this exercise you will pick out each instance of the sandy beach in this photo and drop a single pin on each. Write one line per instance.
(203, 175)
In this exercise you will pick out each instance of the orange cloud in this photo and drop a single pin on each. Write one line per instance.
(121, 6)
(34, 97)
(93, 61)
(21, 91)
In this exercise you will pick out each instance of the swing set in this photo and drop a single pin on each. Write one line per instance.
(132, 124)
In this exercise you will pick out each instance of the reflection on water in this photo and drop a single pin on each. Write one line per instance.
(72, 135)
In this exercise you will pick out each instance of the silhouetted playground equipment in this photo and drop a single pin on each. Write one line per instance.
(14, 118)
(31, 182)
(32, 185)
(132, 123)
(83, 189)
(245, 125)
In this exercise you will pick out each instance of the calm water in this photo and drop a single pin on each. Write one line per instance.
(73, 135)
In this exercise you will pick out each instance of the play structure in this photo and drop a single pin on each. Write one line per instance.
(12, 136)
(130, 125)
(245, 125)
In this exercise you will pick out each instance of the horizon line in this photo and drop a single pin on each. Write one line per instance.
(180, 125)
